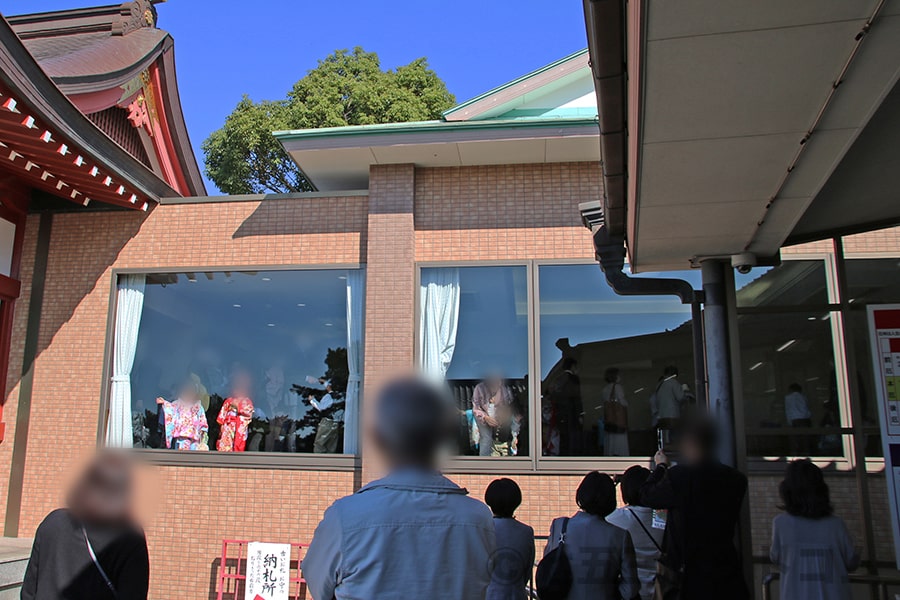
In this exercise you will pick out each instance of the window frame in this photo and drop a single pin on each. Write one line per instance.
(235, 460)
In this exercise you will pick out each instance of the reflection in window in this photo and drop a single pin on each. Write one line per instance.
(793, 283)
(790, 384)
(238, 361)
(613, 368)
(473, 334)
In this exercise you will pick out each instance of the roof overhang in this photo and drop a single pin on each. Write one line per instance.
(739, 116)
(49, 142)
(340, 157)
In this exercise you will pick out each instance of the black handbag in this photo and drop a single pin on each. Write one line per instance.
(553, 578)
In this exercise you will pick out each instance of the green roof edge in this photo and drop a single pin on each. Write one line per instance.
(426, 126)
(516, 81)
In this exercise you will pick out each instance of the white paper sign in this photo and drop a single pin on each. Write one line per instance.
(268, 571)
(884, 332)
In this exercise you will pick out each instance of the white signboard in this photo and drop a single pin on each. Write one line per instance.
(268, 571)
(884, 331)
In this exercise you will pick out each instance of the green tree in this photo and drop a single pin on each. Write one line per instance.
(346, 88)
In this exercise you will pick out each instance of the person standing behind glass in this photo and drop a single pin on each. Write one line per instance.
(669, 396)
(638, 521)
(600, 554)
(569, 408)
(514, 558)
(811, 547)
(327, 432)
(616, 443)
(488, 396)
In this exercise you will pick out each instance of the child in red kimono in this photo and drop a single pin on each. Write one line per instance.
(234, 417)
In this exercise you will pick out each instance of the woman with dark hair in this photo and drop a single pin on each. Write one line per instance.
(601, 555)
(811, 547)
(93, 549)
(638, 521)
(514, 558)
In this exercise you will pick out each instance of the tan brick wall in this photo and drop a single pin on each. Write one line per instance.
(883, 240)
(504, 212)
(209, 503)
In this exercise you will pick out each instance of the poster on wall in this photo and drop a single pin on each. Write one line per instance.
(884, 333)
(268, 571)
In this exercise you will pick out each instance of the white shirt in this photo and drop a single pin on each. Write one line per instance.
(796, 406)
(323, 404)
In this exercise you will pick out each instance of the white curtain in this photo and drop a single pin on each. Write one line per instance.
(356, 290)
(438, 320)
(129, 305)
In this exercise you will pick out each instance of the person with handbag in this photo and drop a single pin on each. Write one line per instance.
(703, 498)
(638, 520)
(615, 414)
(600, 556)
(93, 549)
(513, 561)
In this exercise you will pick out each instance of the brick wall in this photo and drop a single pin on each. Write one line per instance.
(411, 215)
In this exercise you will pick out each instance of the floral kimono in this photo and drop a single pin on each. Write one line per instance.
(234, 417)
(186, 426)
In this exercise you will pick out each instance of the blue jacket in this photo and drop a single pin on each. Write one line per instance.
(412, 534)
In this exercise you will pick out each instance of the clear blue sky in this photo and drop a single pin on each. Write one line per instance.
(227, 49)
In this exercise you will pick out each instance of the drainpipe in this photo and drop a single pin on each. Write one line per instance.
(610, 251)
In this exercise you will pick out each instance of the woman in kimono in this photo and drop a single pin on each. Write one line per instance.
(184, 420)
(235, 416)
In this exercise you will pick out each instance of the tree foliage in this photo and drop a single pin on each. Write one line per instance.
(346, 88)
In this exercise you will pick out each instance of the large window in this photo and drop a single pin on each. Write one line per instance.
(606, 362)
(254, 361)
(473, 334)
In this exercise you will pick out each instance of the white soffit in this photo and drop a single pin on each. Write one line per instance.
(730, 89)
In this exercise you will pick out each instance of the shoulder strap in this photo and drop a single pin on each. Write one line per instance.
(96, 562)
(644, 527)
(562, 534)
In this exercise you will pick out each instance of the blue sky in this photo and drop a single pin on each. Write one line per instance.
(227, 49)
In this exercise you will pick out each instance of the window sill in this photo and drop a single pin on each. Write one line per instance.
(251, 460)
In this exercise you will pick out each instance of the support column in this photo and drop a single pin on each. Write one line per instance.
(390, 288)
(718, 366)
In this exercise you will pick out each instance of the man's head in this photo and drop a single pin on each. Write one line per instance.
(699, 440)
(670, 371)
(569, 364)
(504, 497)
(411, 421)
(795, 388)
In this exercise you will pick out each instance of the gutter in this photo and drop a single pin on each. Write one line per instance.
(606, 31)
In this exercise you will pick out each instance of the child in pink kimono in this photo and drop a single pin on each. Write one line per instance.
(234, 417)
(185, 420)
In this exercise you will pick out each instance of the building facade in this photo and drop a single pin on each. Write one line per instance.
(455, 247)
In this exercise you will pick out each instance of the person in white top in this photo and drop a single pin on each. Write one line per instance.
(796, 409)
(328, 431)
(616, 442)
(638, 521)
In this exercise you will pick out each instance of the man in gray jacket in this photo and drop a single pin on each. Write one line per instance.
(413, 533)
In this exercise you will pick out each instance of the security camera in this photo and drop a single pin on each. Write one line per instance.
(743, 262)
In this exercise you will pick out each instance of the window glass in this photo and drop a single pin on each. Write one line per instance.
(858, 328)
(473, 333)
(789, 383)
(873, 280)
(599, 350)
(792, 283)
(239, 361)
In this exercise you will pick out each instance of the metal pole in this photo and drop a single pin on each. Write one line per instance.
(718, 366)
(699, 359)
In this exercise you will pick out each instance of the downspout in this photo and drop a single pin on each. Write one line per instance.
(605, 24)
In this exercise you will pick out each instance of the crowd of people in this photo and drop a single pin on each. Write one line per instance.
(416, 534)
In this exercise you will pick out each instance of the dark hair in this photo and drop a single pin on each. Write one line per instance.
(804, 491)
(670, 370)
(611, 375)
(504, 497)
(412, 419)
(568, 362)
(795, 387)
(631, 482)
(704, 433)
(596, 494)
